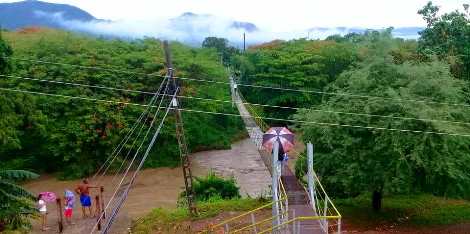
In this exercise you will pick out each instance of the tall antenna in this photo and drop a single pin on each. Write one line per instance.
(244, 42)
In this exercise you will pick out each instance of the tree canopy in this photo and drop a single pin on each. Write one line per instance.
(73, 137)
(447, 36)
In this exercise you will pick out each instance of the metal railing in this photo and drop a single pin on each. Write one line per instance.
(326, 219)
(250, 217)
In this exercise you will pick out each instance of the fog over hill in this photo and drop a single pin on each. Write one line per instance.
(189, 27)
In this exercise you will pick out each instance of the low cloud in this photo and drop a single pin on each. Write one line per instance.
(188, 28)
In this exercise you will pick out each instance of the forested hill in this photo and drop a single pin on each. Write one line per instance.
(37, 13)
(55, 134)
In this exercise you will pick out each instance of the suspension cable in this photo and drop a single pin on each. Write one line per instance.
(248, 103)
(238, 115)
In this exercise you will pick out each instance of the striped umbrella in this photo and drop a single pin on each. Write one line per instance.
(48, 196)
(281, 135)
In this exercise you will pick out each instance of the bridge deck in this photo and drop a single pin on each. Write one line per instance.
(298, 197)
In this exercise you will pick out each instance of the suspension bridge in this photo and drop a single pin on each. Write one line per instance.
(295, 208)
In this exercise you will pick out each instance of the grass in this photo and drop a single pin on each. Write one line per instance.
(166, 219)
(413, 210)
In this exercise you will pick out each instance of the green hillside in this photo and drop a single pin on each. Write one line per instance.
(53, 134)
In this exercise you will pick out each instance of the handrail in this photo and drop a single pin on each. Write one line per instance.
(283, 198)
(260, 222)
(244, 214)
(300, 218)
(324, 192)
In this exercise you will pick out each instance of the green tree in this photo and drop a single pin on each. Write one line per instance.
(297, 64)
(447, 36)
(16, 204)
(5, 51)
(352, 161)
(222, 46)
(55, 134)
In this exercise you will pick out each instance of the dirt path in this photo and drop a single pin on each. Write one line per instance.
(154, 188)
(463, 228)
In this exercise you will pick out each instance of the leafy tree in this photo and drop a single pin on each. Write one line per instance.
(5, 51)
(222, 46)
(68, 135)
(16, 204)
(447, 36)
(297, 64)
(352, 160)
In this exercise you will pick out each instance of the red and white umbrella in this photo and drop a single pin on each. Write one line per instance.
(281, 135)
(48, 196)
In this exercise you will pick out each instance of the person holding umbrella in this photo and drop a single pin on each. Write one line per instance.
(283, 136)
(42, 208)
(44, 197)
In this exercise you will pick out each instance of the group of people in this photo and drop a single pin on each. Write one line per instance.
(83, 190)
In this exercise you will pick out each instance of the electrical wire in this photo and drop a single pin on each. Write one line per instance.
(137, 152)
(266, 118)
(82, 66)
(255, 86)
(246, 103)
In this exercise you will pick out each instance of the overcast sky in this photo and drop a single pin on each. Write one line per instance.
(274, 15)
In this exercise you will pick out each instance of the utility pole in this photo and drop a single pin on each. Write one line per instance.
(244, 42)
(183, 147)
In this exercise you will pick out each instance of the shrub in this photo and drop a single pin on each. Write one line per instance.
(212, 188)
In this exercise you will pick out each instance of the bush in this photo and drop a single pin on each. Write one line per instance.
(212, 188)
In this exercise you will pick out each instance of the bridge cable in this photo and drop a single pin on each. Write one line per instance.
(248, 103)
(238, 115)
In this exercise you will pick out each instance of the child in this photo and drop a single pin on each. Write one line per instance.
(43, 212)
(69, 203)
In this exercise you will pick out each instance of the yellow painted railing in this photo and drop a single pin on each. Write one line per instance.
(320, 203)
(247, 214)
(328, 215)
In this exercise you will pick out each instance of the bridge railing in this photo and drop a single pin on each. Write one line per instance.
(256, 219)
(327, 218)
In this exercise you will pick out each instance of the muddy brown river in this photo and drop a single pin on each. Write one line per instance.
(160, 187)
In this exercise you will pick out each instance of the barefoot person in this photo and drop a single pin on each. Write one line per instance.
(83, 190)
(42, 208)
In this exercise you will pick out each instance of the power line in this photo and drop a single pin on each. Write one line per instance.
(266, 118)
(129, 135)
(77, 84)
(245, 103)
(250, 85)
(84, 67)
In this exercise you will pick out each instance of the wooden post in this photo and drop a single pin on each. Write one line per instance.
(98, 210)
(102, 202)
(60, 219)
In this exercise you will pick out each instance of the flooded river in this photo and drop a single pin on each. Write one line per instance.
(160, 187)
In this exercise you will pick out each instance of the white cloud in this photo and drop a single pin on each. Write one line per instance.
(273, 15)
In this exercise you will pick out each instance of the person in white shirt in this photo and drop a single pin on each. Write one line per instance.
(42, 208)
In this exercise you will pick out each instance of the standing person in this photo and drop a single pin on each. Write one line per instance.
(42, 208)
(69, 204)
(83, 190)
